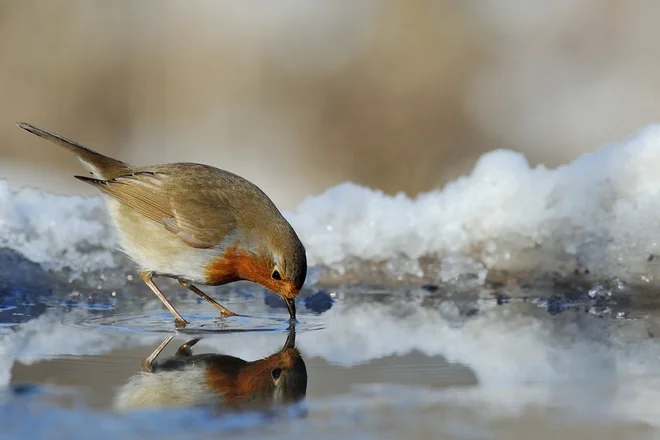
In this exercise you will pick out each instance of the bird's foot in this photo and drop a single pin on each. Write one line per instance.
(226, 313)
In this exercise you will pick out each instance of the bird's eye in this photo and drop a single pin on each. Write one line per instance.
(276, 275)
(277, 372)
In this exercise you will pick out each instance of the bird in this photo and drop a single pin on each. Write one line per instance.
(194, 223)
(186, 379)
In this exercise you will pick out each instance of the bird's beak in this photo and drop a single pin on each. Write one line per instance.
(291, 305)
(291, 337)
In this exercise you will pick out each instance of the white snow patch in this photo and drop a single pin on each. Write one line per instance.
(603, 208)
(57, 231)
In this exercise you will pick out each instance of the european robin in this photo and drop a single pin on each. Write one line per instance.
(195, 223)
(186, 379)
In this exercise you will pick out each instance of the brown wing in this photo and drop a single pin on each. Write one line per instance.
(199, 218)
(223, 365)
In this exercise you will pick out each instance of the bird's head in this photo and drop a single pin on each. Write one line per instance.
(277, 261)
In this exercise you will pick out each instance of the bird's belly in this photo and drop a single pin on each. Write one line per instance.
(155, 249)
(168, 388)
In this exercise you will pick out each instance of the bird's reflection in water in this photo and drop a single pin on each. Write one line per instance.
(188, 379)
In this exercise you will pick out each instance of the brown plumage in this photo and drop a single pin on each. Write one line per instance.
(195, 223)
(187, 379)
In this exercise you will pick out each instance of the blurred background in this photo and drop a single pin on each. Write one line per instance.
(299, 95)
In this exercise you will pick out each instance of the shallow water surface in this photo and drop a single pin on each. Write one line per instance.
(386, 363)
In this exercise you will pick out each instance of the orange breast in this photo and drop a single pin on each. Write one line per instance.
(246, 385)
(223, 269)
(234, 265)
(222, 384)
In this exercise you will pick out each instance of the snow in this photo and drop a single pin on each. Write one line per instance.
(57, 231)
(601, 210)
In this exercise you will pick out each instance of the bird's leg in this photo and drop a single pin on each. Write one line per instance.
(184, 350)
(147, 278)
(148, 362)
(223, 310)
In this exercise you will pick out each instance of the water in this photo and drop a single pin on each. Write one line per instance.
(417, 362)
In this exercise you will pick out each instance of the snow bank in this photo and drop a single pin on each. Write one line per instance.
(600, 212)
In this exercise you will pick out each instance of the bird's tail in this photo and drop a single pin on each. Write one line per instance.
(101, 167)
